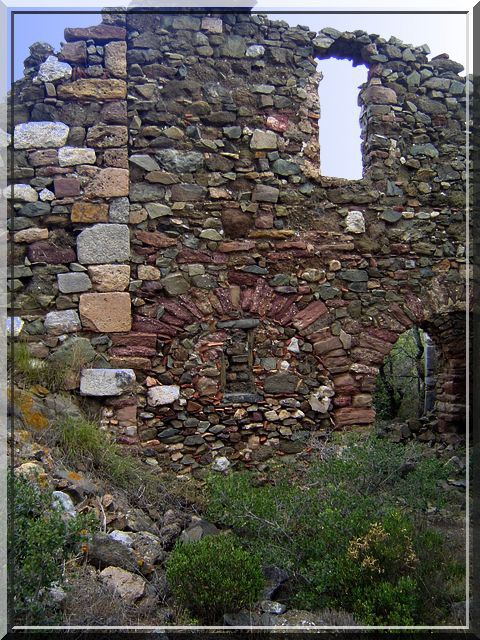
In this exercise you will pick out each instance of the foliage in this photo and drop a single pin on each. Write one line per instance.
(43, 540)
(399, 390)
(372, 494)
(214, 576)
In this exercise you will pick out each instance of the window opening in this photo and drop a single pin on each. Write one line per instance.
(339, 125)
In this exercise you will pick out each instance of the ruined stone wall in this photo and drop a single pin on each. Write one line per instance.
(172, 228)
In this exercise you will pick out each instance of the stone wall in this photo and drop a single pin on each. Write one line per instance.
(171, 227)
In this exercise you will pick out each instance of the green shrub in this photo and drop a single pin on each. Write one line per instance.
(43, 540)
(214, 576)
(307, 522)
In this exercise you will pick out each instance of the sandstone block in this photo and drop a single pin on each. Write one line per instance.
(102, 136)
(352, 415)
(146, 272)
(116, 59)
(106, 312)
(30, 235)
(40, 135)
(104, 243)
(110, 277)
(99, 33)
(106, 382)
(235, 223)
(89, 212)
(43, 251)
(116, 157)
(93, 89)
(109, 183)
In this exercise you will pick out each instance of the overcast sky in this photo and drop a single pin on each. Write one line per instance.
(339, 127)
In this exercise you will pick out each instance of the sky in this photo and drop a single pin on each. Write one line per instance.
(339, 125)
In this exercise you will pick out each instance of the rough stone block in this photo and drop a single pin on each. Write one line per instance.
(162, 395)
(40, 135)
(106, 382)
(43, 251)
(111, 277)
(263, 140)
(74, 52)
(69, 156)
(119, 210)
(355, 222)
(66, 187)
(102, 136)
(187, 192)
(52, 70)
(109, 183)
(73, 282)
(58, 322)
(104, 243)
(23, 192)
(265, 193)
(106, 312)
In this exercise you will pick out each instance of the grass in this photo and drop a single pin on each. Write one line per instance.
(83, 441)
(79, 440)
(32, 371)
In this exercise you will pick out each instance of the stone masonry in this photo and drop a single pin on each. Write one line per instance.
(171, 224)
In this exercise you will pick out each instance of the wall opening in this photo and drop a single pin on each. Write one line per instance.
(405, 385)
(238, 382)
(339, 126)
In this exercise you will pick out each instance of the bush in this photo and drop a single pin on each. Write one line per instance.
(370, 501)
(214, 576)
(43, 540)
